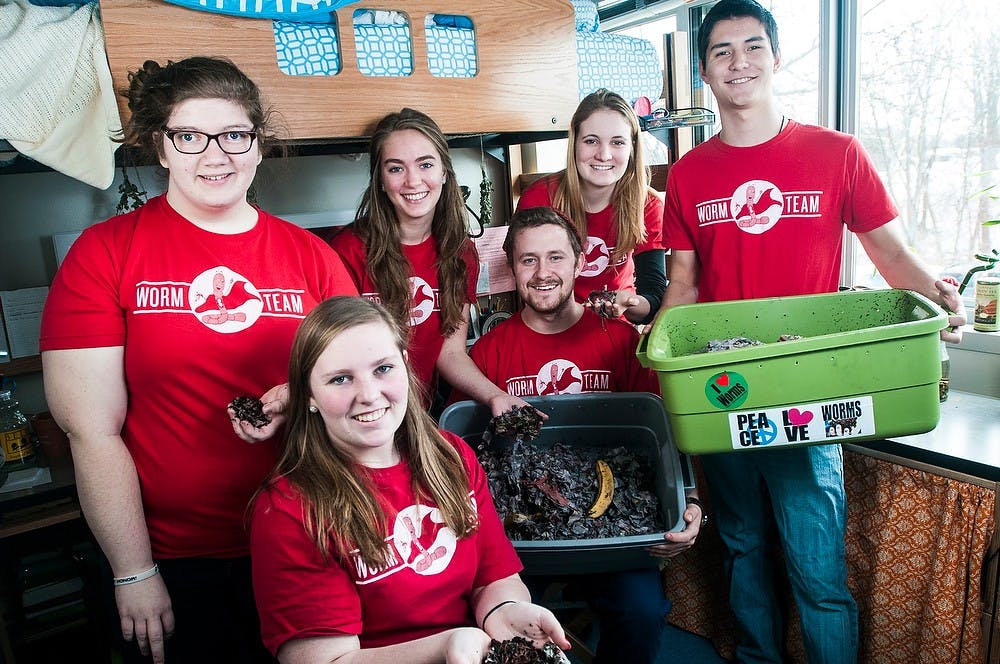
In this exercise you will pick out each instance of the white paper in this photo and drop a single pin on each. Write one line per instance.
(22, 315)
(494, 272)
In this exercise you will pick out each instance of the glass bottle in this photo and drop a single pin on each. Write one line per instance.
(15, 434)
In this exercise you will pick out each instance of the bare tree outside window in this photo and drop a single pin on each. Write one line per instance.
(929, 93)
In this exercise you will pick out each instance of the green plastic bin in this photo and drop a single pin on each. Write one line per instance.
(867, 367)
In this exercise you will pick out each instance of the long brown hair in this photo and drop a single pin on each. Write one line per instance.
(631, 191)
(342, 504)
(377, 226)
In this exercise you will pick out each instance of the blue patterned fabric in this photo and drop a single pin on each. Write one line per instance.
(307, 49)
(451, 53)
(626, 65)
(585, 15)
(383, 50)
(287, 10)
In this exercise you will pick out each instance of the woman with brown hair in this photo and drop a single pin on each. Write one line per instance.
(409, 250)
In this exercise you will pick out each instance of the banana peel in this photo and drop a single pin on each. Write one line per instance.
(605, 489)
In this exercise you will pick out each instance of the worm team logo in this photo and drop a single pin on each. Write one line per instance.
(423, 542)
(559, 377)
(225, 301)
(756, 206)
(597, 257)
(422, 301)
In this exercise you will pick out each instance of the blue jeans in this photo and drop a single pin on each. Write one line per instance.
(793, 498)
(630, 607)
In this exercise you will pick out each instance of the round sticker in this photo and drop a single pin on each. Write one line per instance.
(727, 390)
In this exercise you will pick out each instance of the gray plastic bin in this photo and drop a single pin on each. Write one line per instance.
(635, 419)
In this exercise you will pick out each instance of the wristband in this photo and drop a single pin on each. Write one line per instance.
(136, 578)
(691, 500)
(490, 612)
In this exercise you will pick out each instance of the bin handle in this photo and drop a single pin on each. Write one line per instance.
(640, 351)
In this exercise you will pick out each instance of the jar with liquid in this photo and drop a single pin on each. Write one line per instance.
(985, 318)
(15, 434)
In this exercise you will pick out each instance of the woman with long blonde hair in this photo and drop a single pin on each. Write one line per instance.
(605, 192)
(376, 532)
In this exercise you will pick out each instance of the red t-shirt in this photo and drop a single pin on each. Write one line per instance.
(426, 338)
(203, 318)
(425, 591)
(601, 240)
(768, 220)
(587, 357)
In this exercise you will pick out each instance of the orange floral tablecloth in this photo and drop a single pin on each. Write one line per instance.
(916, 543)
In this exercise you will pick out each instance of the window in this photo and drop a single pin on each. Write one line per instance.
(917, 81)
(928, 114)
(926, 88)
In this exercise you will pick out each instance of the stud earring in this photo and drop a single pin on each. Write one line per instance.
(444, 178)
(313, 409)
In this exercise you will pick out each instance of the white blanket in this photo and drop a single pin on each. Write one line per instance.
(57, 101)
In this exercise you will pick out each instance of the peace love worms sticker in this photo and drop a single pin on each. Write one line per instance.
(803, 424)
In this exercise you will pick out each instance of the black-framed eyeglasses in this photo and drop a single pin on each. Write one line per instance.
(234, 141)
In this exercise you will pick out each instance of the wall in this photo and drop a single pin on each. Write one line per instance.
(975, 363)
(33, 206)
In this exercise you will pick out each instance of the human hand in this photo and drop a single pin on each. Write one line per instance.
(533, 622)
(501, 402)
(466, 645)
(274, 401)
(680, 541)
(952, 303)
(621, 304)
(146, 615)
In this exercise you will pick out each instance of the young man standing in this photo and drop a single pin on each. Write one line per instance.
(759, 211)
(554, 345)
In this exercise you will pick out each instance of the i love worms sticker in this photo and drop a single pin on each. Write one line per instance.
(727, 390)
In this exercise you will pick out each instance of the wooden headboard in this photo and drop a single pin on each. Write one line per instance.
(526, 54)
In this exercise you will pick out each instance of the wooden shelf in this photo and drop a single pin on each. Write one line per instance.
(21, 365)
(39, 516)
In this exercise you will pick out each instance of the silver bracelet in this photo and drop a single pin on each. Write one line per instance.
(136, 578)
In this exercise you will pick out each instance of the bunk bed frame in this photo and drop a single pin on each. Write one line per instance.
(526, 57)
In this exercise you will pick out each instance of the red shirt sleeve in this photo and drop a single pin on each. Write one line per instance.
(539, 193)
(352, 252)
(653, 220)
(472, 267)
(298, 595)
(83, 308)
(676, 234)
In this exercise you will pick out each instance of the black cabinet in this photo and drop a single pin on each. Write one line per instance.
(51, 604)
